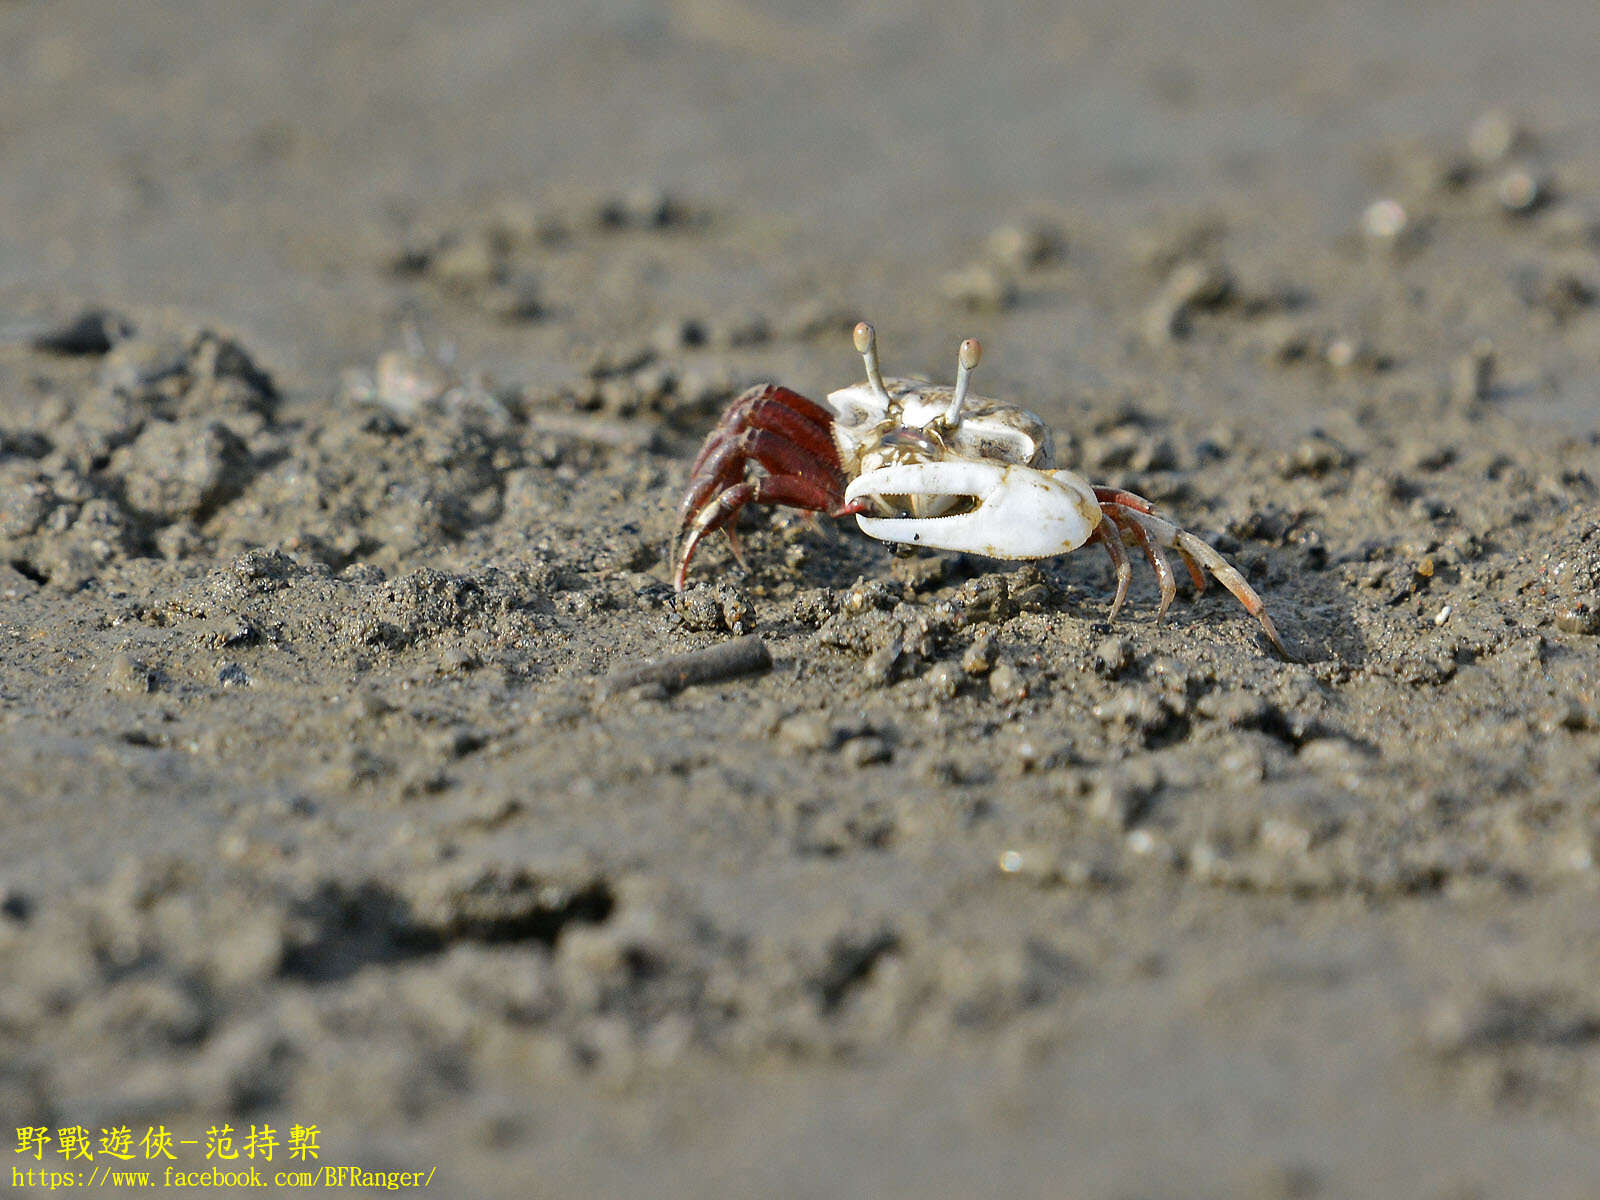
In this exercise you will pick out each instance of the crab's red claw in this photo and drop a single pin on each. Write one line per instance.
(772, 446)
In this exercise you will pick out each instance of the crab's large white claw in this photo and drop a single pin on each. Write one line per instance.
(1020, 512)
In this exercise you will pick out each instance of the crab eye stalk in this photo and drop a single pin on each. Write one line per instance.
(967, 358)
(866, 339)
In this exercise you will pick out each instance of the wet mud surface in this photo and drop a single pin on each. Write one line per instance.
(334, 544)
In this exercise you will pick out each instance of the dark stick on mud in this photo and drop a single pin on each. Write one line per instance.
(726, 660)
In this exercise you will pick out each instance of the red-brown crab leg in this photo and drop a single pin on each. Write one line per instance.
(1155, 533)
(1117, 496)
(1112, 541)
(790, 438)
(768, 406)
(1166, 581)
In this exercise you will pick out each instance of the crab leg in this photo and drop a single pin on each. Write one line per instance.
(789, 437)
(768, 406)
(1112, 541)
(726, 464)
(1108, 495)
(1160, 532)
(1159, 562)
(791, 490)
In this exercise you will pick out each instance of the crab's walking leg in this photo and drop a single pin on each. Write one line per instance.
(1107, 495)
(768, 406)
(725, 466)
(789, 437)
(1159, 562)
(767, 489)
(1159, 532)
(1112, 541)
(1111, 497)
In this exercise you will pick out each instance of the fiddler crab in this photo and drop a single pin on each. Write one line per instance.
(928, 465)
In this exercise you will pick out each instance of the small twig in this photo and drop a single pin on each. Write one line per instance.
(725, 660)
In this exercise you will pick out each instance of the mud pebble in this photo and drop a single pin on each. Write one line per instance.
(1243, 764)
(153, 1010)
(1561, 295)
(1573, 225)
(1472, 377)
(1522, 191)
(15, 904)
(184, 468)
(1028, 862)
(1424, 172)
(1161, 246)
(1281, 1180)
(1121, 797)
(681, 333)
(263, 565)
(864, 595)
(616, 358)
(1200, 284)
(943, 680)
(140, 362)
(1345, 352)
(1582, 617)
(987, 598)
(980, 288)
(1574, 853)
(1007, 685)
(1025, 247)
(917, 574)
(1285, 838)
(1112, 656)
(808, 731)
(245, 1066)
(888, 663)
(1384, 221)
(1284, 340)
(25, 505)
(868, 750)
(516, 300)
(744, 329)
(978, 658)
(1235, 709)
(1314, 456)
(180, 540)
(468, 265)
(1132, 707)
(709, 608)
(1166, 321)
(91, 333)
(129, 674)
(1453, 1025)
(642, 208)
(1567, 712)
(1493, 136)
(1028, 588)
(1152, 454)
